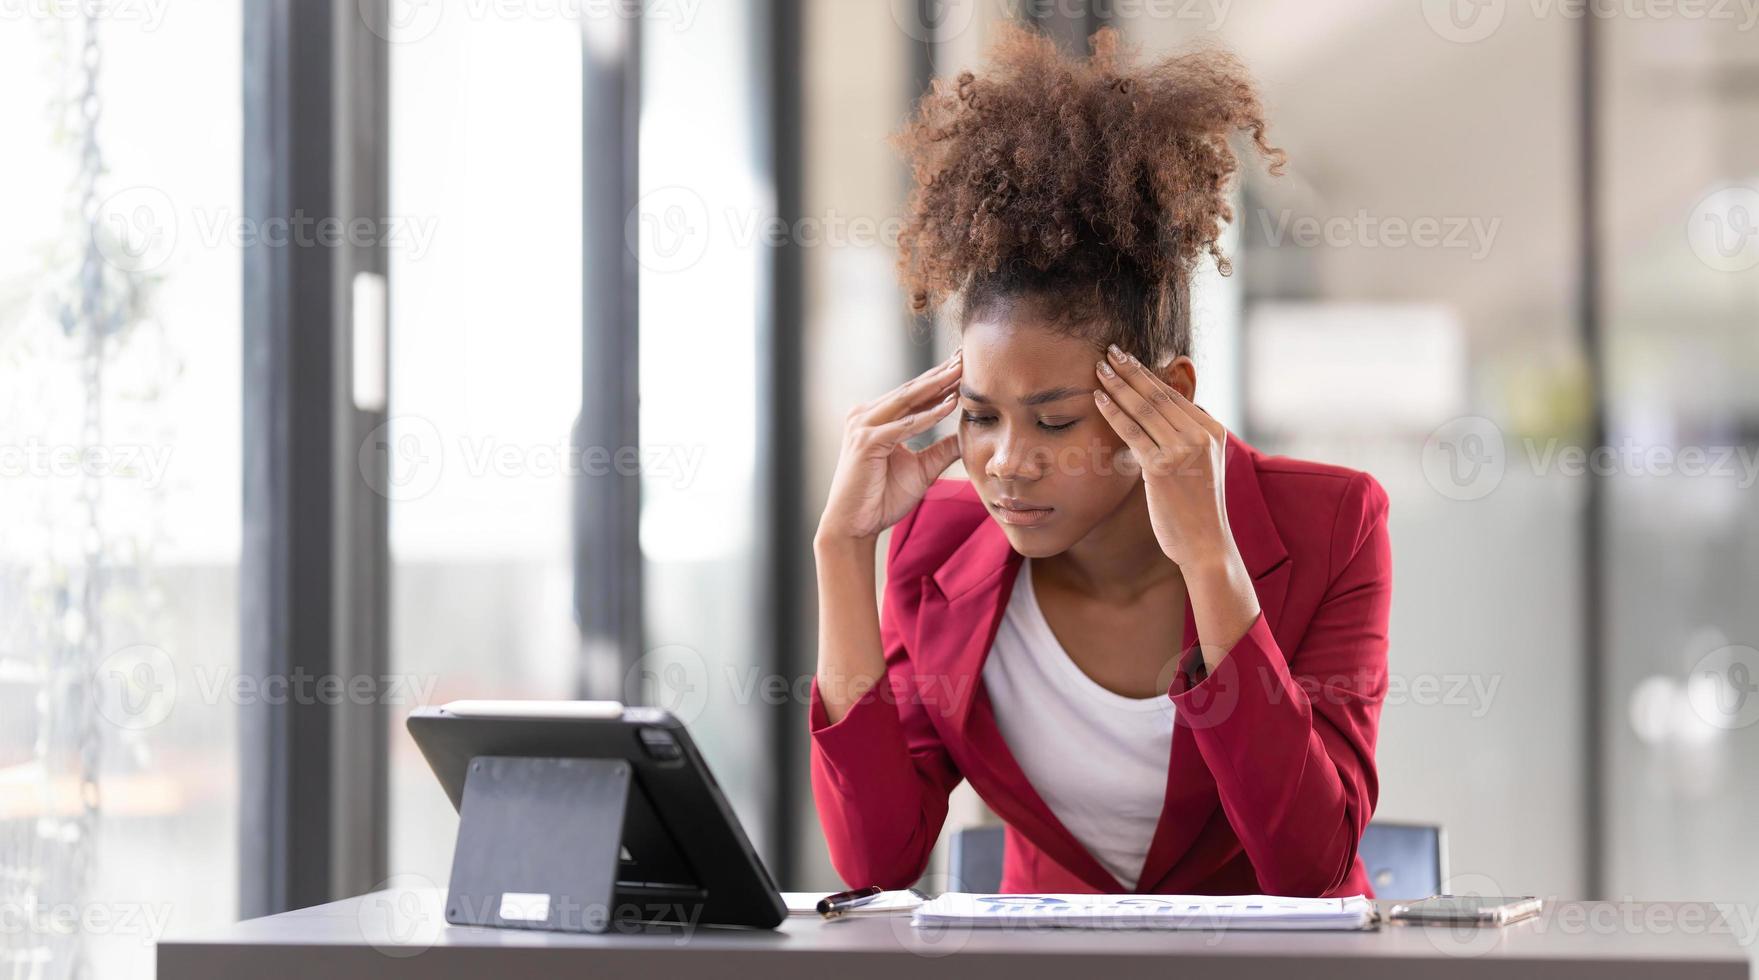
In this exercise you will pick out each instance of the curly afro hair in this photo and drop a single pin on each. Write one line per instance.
(1090, 185)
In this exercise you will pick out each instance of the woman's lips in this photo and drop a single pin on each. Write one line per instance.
(1023, 517)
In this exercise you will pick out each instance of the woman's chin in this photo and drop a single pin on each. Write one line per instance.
(1034, 542)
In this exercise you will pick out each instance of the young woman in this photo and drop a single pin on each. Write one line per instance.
(1158, 654)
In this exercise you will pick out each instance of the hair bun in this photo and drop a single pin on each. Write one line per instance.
(1044, 166)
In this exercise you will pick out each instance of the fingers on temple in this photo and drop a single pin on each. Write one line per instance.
(920, 420)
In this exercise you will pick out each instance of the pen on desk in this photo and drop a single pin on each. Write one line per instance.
(832, 906)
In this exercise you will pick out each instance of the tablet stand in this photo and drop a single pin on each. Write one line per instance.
(538, 843)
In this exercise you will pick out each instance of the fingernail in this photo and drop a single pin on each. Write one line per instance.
(1113, 350)
(1106, 369)
(1100, 396)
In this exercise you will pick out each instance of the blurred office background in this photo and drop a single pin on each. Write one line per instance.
(362, 355)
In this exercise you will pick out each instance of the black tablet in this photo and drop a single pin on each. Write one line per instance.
(588, 815)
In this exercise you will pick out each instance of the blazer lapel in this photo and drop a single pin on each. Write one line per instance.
(1191, 798)
(962, 607)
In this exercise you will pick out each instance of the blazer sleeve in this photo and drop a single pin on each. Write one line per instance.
(880, 775)
(1289, 736)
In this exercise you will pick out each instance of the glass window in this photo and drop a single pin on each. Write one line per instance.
(705, 219)
(1680, 199)
(485, 362)
(120, 476)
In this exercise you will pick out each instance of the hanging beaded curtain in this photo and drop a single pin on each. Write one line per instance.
(60, 583)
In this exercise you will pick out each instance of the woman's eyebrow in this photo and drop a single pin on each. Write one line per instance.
(1036, 398)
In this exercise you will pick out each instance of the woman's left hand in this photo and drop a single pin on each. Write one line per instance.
(1182, 450)
(1183, 453)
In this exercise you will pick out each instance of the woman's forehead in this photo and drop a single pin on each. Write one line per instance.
(1022, 339)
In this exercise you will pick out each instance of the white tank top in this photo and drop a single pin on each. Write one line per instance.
(1098, 759)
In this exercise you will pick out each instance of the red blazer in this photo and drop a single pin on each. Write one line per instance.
(1272, 774)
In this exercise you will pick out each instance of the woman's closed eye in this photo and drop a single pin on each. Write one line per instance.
(1047, 425)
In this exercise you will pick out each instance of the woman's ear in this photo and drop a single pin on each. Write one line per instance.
(1181, 373)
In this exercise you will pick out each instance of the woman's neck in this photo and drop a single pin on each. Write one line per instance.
(1119, 561)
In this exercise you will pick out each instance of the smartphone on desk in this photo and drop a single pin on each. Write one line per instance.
(1466, 910)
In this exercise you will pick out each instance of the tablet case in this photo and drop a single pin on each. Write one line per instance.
(681, 854)
(538, 844)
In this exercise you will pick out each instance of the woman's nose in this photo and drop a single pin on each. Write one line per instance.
(1015, 461)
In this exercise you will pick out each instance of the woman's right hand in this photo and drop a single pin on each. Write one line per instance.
(878, 478)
